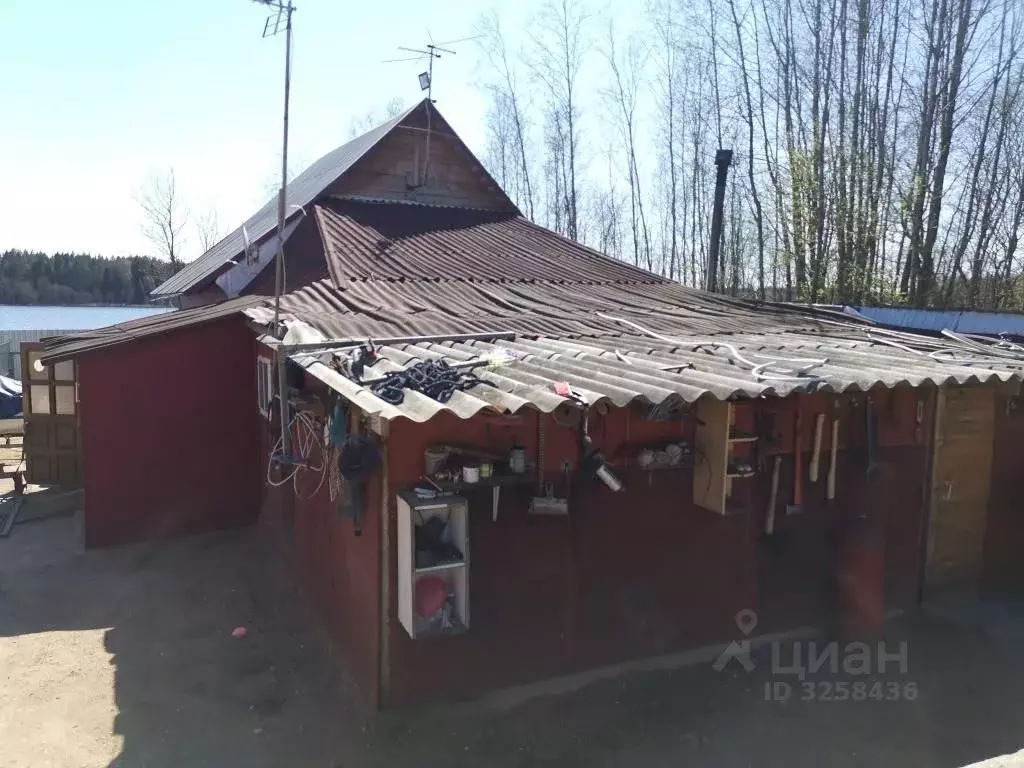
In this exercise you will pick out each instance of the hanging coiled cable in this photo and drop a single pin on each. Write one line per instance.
(308, 436)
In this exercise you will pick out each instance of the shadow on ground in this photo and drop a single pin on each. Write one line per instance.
(185, 693)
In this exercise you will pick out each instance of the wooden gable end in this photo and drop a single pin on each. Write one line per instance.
(411, 164)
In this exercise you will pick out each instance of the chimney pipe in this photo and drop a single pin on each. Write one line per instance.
(723, 159)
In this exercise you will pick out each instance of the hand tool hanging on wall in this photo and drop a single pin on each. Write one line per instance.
(830, 489)
(819, 423)
(798, 460)
(358, 460)
(769, 520)
(871, 415)
(591, 463)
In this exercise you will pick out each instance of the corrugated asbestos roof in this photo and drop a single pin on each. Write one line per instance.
(574, 333)
(389, 241)
(384, 308)
(636, 368)
(302, 191)
(72, 344)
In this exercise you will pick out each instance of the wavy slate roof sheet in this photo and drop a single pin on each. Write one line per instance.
(389, 241)
(400, 308)
(632, 368)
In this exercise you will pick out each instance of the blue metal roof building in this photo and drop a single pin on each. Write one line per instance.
(961, 321)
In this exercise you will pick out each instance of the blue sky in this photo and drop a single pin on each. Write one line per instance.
(98, 96)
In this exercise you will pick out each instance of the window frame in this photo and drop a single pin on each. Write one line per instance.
(264, 385)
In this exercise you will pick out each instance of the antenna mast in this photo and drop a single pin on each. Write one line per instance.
(432, 51)
(281, 20)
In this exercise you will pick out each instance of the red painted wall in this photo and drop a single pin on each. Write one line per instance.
(211, 294)
(632, 575)
(169, 439)
(304, 262)
(646, 572)
(339, 570)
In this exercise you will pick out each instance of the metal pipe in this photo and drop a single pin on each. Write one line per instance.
(282, 379)
(723, 159)
(352, 342)
(384, 577)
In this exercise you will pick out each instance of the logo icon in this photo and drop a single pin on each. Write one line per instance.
(746, 620)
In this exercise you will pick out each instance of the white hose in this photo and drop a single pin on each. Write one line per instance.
(308, 435)
(990, 350)
(802, 365)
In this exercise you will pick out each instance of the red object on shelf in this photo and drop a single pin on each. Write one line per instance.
(431, 594)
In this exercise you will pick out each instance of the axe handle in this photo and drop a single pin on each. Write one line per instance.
(831, 490)
(769, 520)
(819, 423)
(798, 459)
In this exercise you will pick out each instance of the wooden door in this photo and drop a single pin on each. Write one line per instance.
(961, 480)
(50, 405)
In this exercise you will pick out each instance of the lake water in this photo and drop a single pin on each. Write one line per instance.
(33, 318)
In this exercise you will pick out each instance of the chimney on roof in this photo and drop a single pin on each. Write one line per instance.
(723, 159)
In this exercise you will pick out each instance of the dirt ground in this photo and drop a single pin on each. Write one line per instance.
(124, 657)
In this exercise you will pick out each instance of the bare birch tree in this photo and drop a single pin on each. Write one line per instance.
(164, 215)
(627, 73)
(559, 50)
(208, 229)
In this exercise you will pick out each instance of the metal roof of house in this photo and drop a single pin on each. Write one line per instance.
(401, 241)
(962, 321)
(69, 345)
(302, 190)
(639, 368)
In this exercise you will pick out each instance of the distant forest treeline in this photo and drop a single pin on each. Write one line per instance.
(29, 277)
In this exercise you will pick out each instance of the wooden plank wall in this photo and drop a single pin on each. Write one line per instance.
(394, 171)
(1004, 538)
(961, 481)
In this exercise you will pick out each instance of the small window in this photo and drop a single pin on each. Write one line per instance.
(39, 398)
(264, 384)
(64, 399)
(64, 370)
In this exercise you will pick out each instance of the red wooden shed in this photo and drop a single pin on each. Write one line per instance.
(799, 465)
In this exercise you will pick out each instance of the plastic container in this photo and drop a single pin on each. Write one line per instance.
(517, 460)
(435, 459)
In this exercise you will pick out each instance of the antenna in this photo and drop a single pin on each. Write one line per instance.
(281, 19)
(429, 51)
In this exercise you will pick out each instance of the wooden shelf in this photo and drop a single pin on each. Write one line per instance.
(425, 630)
(413, 512)
(716, 438)
(529, 477)
(442, 567)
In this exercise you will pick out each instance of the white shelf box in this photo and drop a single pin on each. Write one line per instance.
(437, 574)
